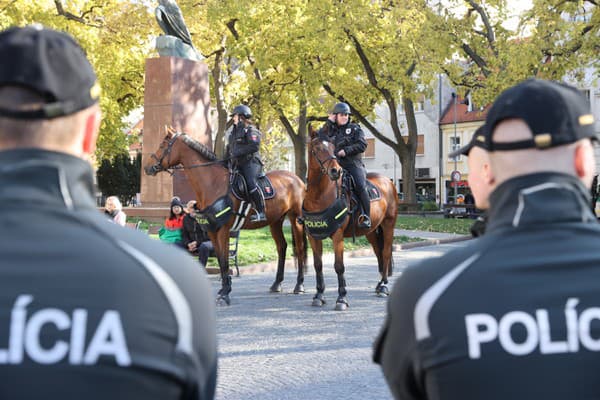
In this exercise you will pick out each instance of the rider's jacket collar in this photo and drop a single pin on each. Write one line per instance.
(48, 178)
(537, 199)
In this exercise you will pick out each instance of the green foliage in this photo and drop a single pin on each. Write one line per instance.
(116, 38)
(288, 59)
(430, 206)
(120, 177)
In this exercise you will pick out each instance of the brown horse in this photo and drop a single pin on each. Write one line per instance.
(210, 180)
(327, 213)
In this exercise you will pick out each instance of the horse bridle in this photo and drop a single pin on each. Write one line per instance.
(156, 168)
(323, 164)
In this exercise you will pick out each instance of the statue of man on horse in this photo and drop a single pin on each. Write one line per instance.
(243, 151)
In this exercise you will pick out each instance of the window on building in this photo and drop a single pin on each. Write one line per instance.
(586, 93)
(454, 145)
(370, 151)
(420, 144)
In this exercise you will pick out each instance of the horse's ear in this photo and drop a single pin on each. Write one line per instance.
(170, 130)
(312, 131)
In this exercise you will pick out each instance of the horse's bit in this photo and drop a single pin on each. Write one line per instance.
(323, 163)
(167, 153)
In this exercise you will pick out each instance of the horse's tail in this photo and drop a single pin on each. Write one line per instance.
(304, 256)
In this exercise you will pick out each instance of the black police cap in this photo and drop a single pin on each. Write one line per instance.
(556, 113)
(51, 64)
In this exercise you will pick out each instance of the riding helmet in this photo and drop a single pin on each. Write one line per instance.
(341, 108)
(242, 110)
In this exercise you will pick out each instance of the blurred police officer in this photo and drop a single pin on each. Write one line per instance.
(88, 309)
(516, 314)
(480, 177)
(350, 143)
(244, 146)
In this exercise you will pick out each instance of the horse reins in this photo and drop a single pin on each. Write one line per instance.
(158, 166)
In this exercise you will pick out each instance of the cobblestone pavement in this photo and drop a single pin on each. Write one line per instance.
(279, 347)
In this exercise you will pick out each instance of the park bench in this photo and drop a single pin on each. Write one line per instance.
(134, 225)
(234, 237)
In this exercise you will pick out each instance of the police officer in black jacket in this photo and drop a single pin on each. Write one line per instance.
(195, 239)
(350, 143)
(88, 309)
(243, 149)
(515, 314)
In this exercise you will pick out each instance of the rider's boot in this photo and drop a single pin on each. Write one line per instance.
(364, 221)
(259, 206)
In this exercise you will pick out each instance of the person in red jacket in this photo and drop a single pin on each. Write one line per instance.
(173, 229)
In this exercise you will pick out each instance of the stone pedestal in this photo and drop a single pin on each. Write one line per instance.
(176, 94)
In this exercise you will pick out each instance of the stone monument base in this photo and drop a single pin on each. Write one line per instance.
(176, 94)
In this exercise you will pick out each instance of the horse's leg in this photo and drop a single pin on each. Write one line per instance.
(281, 245)
(221, 246)
(299, 239)
(341, 304)
(317, 248)
(387, 242)
(376, 239)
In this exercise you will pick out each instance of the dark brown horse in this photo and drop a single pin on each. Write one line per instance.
(327, 213)
(209, 178)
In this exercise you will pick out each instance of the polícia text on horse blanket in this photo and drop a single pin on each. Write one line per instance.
(322, 224)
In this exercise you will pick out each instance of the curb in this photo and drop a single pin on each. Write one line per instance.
(290, 264)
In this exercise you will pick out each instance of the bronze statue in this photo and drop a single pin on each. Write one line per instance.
(177, 40)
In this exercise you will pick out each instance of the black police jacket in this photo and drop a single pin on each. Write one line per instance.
(90, 309)
(192, 231)
(244, 143)
(350, 138)
(514, 315)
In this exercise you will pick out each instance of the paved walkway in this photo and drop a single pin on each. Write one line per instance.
(279, 347)
(426, 235)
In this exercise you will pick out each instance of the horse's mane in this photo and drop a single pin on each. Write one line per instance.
(200, 148)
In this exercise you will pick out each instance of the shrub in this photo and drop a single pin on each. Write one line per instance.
(430, 206)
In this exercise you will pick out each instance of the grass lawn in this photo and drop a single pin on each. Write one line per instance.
(446, 225)
(257, 246)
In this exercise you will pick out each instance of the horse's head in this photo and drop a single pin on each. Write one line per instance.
(166, 156)
(322, 157)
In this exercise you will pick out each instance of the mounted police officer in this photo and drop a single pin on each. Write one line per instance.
(244, 144)
(350, 143)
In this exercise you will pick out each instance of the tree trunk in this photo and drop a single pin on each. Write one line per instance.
(408, 153)
(218, 88)
(299, 142)
(408, 176)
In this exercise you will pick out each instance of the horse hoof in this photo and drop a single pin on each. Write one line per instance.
(383, 291)
(275, 288)
(318, 301)
(299, 289)
(223, 300)
(341, 306)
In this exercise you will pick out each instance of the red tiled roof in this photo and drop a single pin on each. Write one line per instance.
(137, 128)
(462, 113)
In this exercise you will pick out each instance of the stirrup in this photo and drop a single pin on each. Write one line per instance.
(364, 221)
(258, 217)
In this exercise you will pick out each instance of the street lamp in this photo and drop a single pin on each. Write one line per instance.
(454, 97)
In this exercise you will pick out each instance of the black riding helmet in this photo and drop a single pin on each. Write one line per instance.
(242, 110)
(341, 108)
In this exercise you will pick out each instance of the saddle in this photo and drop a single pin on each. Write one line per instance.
(239, 187)
(349, 187)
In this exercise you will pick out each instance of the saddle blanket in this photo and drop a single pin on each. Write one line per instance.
(264, 183)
